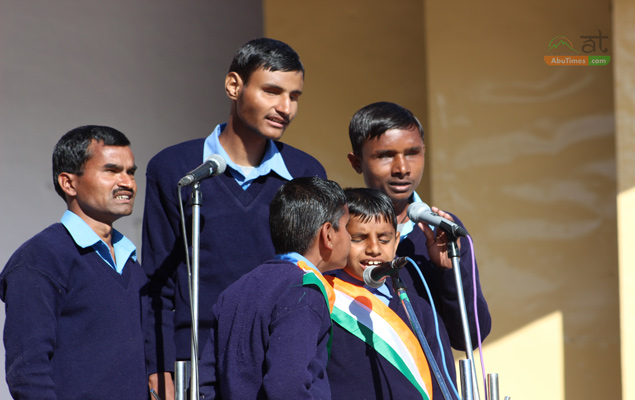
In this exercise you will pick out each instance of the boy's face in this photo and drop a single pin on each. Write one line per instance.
(267, 104)
(372, 242)
(392, 163)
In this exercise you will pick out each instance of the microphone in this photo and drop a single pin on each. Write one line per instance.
(374, 273)
(214, 165)
(419, 212)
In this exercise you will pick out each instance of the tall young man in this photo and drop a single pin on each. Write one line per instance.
(264, 84)
(389, 151)
(74, 327)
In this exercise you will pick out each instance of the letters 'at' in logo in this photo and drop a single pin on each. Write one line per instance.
(562, 52)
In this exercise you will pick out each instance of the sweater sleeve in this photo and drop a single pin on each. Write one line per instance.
(160, 259)
(33, 306)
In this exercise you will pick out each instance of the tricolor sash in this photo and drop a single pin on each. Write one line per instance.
(315, 277)
(362, 314)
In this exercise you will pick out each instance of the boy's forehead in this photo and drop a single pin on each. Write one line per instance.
(394, 139)
(365, 223)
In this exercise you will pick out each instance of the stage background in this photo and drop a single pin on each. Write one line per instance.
(538, 161)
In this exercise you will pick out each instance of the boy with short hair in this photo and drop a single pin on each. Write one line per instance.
(271, 328)
(264, 84)
(375, 352)
(389, 152)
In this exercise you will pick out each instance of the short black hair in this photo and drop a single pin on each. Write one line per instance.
(375, 119)
(265, 53)
(368, 204)
(71, 151)
(300, 208)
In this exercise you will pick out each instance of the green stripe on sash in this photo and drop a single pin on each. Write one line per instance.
(366, 334)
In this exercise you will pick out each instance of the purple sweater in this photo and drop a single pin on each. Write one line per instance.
(73, 327)
(235, 239)
(269, 338)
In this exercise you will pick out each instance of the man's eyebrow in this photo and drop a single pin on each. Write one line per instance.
(384, 152)
(280, 88)
(112, 166)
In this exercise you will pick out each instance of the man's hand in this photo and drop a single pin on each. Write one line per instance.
(163, 384)
(438, 247)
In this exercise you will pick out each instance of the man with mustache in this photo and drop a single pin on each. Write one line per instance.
(73, 325)
(264, 84)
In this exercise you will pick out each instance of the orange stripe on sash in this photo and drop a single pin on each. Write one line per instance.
(375, 305)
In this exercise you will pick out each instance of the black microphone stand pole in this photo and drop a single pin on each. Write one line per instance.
(400, 288)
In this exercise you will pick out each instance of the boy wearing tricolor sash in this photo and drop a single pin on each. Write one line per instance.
(375, 354)
(271, 333)
(388, 150)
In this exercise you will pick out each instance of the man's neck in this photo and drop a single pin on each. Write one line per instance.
(401, 209)
(242, 145)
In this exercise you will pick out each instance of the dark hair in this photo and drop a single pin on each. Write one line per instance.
(368, 204)
(265, 53)
(71, 151)
(375, 119)
(300, 208)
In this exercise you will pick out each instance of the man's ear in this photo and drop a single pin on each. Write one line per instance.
(326, 235)
(356, 162)
(65, 180)
(233, 85)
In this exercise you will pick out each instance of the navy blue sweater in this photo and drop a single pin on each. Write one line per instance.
(269, 338)
(235, 239)
(73, 327)
(357, 371)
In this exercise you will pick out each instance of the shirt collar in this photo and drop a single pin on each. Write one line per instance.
(84, 236)
(294, 258)
(271, 161)
(408, 226)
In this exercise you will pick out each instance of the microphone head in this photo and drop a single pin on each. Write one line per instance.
(220, 161)
(415, 209)
(368, 279)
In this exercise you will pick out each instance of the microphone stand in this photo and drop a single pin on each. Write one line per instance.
(180, 367)
(454, 254)
(400, 289)
(197, 201)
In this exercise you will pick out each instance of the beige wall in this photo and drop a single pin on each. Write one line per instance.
(624, 15)
(523, 152)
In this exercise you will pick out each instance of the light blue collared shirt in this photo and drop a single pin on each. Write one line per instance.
(84, 236)
(382, 292)
(294, 258)
(407, 227)
(271, 161)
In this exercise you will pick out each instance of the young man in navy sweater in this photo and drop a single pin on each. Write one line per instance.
(271, 330)
(389, 152)
(264, 84)
(375, 354)
(73, 327)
